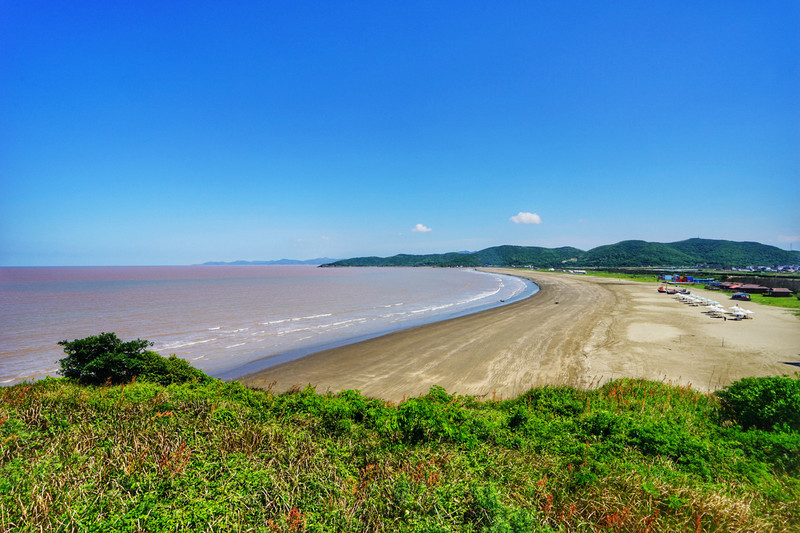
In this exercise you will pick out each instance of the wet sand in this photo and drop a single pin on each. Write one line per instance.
(578, 330)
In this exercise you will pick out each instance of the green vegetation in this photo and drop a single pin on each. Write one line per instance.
(497, 256)
(105, 358)
(729, 253)
(212, 456)
(787, 303)
(690, 252)
(763, 403)
(651, 278)
(638, 253)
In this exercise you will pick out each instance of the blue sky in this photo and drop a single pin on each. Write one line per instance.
(137, 133)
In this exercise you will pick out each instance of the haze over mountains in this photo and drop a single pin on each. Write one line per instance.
(317, 261)
(634, 253)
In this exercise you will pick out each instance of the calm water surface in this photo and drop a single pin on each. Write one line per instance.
(224, 319)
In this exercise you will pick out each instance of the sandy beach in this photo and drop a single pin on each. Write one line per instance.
(578, 330)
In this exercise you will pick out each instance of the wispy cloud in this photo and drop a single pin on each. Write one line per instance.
(789, 238)
(421, 228)
(526, 218)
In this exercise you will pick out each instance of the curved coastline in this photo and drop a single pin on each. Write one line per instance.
(459, 353)
(577, 330)
(241, 372)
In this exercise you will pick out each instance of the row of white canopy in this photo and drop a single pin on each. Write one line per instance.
(713, 307)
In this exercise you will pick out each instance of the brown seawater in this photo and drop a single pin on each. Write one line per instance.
(223, 319)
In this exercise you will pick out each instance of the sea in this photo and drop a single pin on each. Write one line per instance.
(228, 320)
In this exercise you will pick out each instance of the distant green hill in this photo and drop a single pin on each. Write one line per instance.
(497, 256)
(637, 253)
(527, 255)
(736, 253)
(633, 253)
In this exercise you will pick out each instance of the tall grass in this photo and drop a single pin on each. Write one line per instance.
(631, 456)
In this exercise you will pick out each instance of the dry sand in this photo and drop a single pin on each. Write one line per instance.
(578, 330)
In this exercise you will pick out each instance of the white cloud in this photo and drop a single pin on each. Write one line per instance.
(526, 218)
(421, 228)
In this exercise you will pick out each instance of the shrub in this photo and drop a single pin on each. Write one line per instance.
(673, 441)
(762, 403)
(554, 401)
(778, 448)
(493, 516)
(105, 358)
(169, 370)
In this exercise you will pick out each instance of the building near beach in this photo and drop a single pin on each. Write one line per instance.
(785, 293)
(751, 288)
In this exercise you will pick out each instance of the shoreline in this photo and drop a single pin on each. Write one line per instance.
(240, 371)
(576, 331)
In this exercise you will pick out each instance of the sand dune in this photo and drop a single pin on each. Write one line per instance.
(578, 330)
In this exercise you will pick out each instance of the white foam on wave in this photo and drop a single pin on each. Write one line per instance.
(289, 331)
(343, 323)
(295, 319)
(390, 315)
(178, 344)
(485, 295)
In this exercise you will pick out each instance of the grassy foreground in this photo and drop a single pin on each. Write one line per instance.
(630, 456)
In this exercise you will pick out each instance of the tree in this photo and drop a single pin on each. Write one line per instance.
(100, 358)
(104, 357)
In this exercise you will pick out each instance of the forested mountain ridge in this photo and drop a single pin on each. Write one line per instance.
(633, 253)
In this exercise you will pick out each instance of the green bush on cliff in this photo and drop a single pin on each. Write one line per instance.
(105, 358)
(763, 403)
